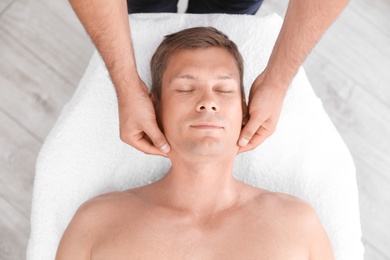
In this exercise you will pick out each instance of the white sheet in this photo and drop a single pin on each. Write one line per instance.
(83, 155)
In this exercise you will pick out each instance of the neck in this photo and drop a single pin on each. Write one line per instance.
(201, 186)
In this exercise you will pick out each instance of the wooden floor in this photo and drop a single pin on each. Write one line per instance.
(44, 52)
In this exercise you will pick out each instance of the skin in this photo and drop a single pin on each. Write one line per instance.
(305, 22)
(198, 210)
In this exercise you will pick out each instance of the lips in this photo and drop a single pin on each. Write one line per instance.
(207, 126)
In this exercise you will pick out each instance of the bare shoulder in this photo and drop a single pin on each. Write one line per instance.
(89, 221)
(284, 204)
(105, 202)
(96, 212)
(98, 208)
(299, 217)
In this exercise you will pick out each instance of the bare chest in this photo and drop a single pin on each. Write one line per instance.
(232, 239)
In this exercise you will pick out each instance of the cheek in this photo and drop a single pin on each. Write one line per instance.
(169, 117)
(236, 116)
(234, 108)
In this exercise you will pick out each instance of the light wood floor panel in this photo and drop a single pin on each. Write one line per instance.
(34, 95)
(51, 31)
(374, 198)
(18, 154)
(4, 4)
(372, 253)
(357, 57)
(14, 232)
(374, 11)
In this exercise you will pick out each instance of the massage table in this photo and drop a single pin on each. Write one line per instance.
(83, 155)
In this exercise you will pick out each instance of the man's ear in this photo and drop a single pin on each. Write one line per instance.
(245, 112)
(155, 100)
(156, 104)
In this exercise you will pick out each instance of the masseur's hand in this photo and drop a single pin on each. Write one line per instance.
(265, 105)
(107, 23)
(304, 23)
(137, 119)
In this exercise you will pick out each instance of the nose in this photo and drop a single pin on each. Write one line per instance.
(207, 103)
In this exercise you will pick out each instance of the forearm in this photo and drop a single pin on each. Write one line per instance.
(106, 22)
(304, 24)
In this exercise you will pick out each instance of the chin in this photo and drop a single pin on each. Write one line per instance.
(207, 148)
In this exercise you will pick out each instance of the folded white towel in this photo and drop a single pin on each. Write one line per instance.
(83, 155)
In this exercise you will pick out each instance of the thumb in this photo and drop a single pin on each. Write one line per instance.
(158, 138)
(249, 131)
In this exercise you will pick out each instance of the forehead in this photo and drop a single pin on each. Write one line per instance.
(202, 63)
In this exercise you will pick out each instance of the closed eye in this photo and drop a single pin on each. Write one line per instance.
(225, 91)
(184, 91)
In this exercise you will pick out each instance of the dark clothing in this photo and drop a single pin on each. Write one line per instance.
(195, 6)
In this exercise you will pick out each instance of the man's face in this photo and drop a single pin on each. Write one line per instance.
(200, 109)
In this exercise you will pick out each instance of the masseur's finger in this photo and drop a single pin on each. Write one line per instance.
(260, 136)
(150, 141)
(143, 143)
(249, 134)
(157, 138)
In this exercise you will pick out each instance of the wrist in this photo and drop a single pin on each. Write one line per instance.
(128, 84)
(131, 91)
(277, 80)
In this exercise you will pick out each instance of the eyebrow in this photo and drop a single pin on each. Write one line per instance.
(191, 77)
(185, 76)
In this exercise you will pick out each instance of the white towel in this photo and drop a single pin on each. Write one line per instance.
(83, 155)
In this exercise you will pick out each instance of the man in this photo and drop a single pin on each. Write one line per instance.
(107, 24)
(197, 210)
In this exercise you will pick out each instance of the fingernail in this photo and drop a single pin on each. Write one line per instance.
(165, 148)
(243, 141)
